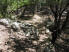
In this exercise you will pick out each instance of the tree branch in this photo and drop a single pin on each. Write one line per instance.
(64, 8)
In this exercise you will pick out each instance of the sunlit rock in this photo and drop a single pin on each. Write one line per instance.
(5, 22)
(47, 31)
(28, 34)
(37, 19)
(15, 26)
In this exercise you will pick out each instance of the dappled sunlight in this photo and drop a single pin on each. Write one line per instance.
(34, 25)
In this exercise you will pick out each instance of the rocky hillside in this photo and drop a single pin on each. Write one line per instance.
(21, 37)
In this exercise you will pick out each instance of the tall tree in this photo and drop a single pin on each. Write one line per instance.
(57, 7)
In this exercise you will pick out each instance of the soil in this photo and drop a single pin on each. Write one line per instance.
(4, 37)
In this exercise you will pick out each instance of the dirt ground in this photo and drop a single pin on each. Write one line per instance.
(4, 36)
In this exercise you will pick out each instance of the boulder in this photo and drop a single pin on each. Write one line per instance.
(15, 26)
(5, 21)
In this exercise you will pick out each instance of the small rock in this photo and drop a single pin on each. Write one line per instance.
(15, 26)
(47, 31)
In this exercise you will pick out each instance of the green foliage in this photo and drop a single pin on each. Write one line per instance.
(10, 5)
(14, 4)
(3, 7)
(59, 2)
